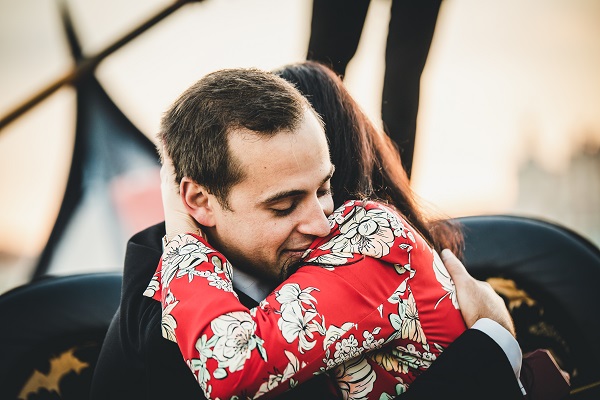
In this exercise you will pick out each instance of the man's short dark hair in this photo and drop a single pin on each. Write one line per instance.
(196, 127)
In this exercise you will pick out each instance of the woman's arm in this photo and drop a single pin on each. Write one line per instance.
(299, 330)
(318, 319)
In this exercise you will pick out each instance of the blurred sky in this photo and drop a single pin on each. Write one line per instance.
(505, 81)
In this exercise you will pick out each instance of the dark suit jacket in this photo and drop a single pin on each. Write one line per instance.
(137, 362)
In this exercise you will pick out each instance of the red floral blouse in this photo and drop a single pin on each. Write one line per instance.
(373, 307)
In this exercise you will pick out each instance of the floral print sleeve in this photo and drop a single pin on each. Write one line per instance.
(372, 307)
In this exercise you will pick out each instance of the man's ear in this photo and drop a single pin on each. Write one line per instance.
(198, 202)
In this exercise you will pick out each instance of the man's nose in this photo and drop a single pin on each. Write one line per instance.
(314, 221)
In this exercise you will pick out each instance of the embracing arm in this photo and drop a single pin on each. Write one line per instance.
(482, 362)
(316, 320)
(483, 309)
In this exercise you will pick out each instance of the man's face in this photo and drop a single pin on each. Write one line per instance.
(283, 202)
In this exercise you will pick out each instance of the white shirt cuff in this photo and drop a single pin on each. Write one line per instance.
(506, 341)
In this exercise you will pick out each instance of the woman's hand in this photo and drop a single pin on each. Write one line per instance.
(477, 299)
(177, 219)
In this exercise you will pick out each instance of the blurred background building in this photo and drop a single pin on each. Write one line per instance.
(509, 115)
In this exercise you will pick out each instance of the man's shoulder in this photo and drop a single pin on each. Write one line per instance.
(150, 237)
(142, 256)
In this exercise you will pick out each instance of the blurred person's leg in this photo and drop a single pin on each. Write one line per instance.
(411, 28)
(336, 26)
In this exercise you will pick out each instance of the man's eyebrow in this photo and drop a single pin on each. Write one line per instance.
(291, 193)
(283, 195)
(328, 177)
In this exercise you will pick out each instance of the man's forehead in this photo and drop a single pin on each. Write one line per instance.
(240, 139)
(267, 161)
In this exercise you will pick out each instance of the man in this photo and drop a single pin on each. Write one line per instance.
(262, 211)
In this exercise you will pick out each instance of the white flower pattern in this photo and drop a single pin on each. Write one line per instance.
(182, 255)
(443, 277)
(291, 292)
(168, 323)
(334, 333)
(236, 339)
(370, 343)
(295, 324)
(366, 232)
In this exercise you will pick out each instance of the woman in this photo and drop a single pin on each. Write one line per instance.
(372, 339)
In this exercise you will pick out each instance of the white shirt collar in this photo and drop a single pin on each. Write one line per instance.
(250, 285)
